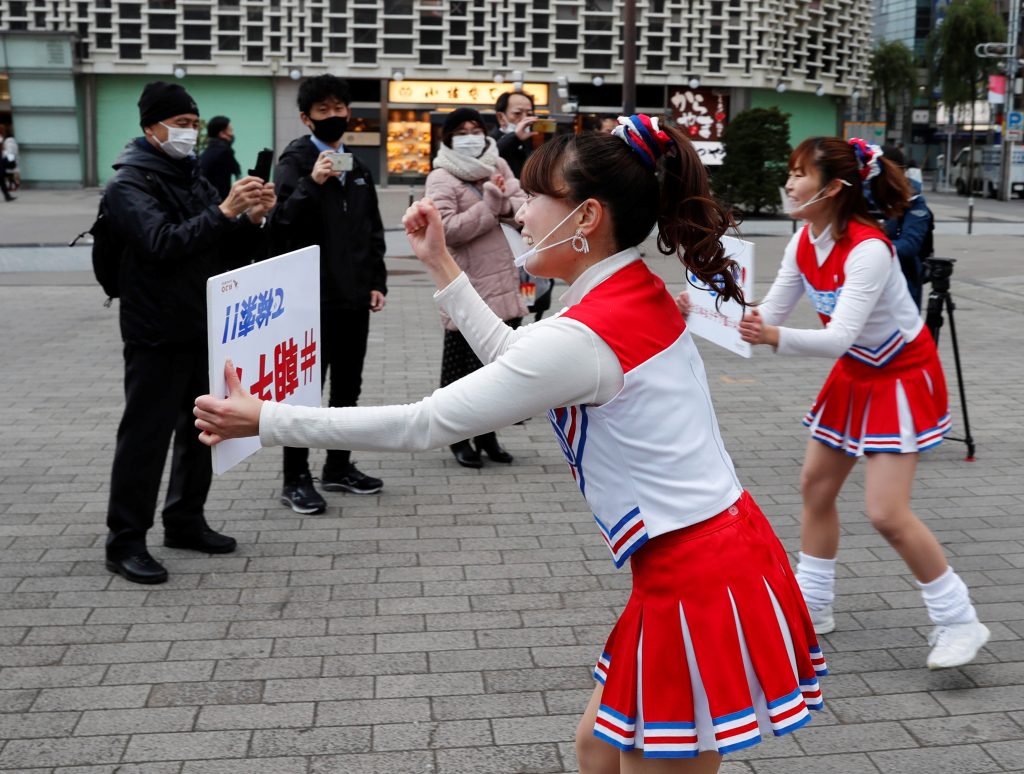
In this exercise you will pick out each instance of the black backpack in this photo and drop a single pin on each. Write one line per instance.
(928, 243)
(107, 249)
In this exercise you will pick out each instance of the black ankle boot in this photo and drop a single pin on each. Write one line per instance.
(488, 444)
(466, 455)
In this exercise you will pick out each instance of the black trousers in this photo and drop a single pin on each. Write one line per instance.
(343, 335)
(458, 359)
(3, 181)
(160, 388)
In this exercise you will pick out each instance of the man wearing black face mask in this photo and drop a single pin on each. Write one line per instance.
(218, 161)
(324, 201)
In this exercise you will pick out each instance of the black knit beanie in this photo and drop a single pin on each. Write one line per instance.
(161, 100)
(457, 118)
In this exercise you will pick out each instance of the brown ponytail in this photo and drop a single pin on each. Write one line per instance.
(691, 223)
(603, 167)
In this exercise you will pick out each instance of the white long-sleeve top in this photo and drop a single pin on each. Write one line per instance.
(554, 362)
(872, 303)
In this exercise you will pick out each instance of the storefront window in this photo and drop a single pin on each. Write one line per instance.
(408, 145)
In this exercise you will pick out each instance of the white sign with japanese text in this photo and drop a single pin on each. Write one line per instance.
(266, 318)
(721, 325)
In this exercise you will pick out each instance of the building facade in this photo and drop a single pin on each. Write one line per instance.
(408, 58)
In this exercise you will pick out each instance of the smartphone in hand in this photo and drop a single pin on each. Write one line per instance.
(264, 162)
(341, 162)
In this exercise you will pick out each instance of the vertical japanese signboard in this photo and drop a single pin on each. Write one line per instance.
(701, 114)
(266, 318)
(720, 324)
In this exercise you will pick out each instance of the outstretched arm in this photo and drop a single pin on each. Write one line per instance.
(562, 363)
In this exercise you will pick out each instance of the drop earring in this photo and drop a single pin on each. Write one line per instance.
(579, 242)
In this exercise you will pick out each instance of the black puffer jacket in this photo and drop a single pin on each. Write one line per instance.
(175, 237)
(344, 219)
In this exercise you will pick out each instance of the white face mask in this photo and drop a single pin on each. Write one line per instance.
(508, 128)
(469, 144)
(180, 141)
(789, 208)
(521, 260)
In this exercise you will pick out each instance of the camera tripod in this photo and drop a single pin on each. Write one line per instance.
(938, 271)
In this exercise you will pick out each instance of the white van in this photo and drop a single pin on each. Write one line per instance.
(987, 171)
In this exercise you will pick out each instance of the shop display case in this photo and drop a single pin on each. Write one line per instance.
(408, 144)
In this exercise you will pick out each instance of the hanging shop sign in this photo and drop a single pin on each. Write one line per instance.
(702, 115)
(459, 92)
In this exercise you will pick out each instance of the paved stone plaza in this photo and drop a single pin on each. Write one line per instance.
(454, 628)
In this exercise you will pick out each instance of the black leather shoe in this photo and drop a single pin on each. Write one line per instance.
(495, 453)
(140, 568)
(466, 455)
(206, 540)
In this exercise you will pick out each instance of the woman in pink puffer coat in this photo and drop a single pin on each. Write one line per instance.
(475, 190)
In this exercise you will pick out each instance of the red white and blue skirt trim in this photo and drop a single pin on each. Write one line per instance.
(714, 648)
(901, 406)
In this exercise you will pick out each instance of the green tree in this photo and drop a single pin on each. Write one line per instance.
(893, 78)
(955, 69)
(757, 152)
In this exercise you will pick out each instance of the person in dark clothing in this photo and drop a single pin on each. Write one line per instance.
(3, 169)
(320, 204)
(909, 232)
(176, 232)
(218, 161)
(514, 135)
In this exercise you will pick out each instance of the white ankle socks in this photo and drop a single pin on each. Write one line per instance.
(817, 580)
(947, 599)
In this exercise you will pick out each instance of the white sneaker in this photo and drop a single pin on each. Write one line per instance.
(956, 644)
(823, 620)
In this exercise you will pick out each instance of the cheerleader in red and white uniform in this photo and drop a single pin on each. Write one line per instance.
(885, 399)
(715, 646)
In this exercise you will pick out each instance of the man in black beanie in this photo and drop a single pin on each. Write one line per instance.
(174, 232)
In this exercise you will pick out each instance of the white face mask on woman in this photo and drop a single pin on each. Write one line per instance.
(180, 142)
(520, 260)
(469, 144)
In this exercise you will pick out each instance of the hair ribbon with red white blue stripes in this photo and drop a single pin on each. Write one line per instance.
(643, 135)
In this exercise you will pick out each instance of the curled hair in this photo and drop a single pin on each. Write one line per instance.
(676, 197)
(888, 192)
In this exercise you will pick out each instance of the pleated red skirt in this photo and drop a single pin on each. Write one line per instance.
(714, 647)
(901, 406)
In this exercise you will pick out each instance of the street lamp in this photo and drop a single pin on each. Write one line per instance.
(295, 73)
(597, 80)
(694, 83)
(180, 72)
(820, 91)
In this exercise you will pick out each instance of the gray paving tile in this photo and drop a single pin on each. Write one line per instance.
(310, 741)
(524, 759)
(958, 759)
(135, 721)
(408, 762)
(23, 753)
(195, 745)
